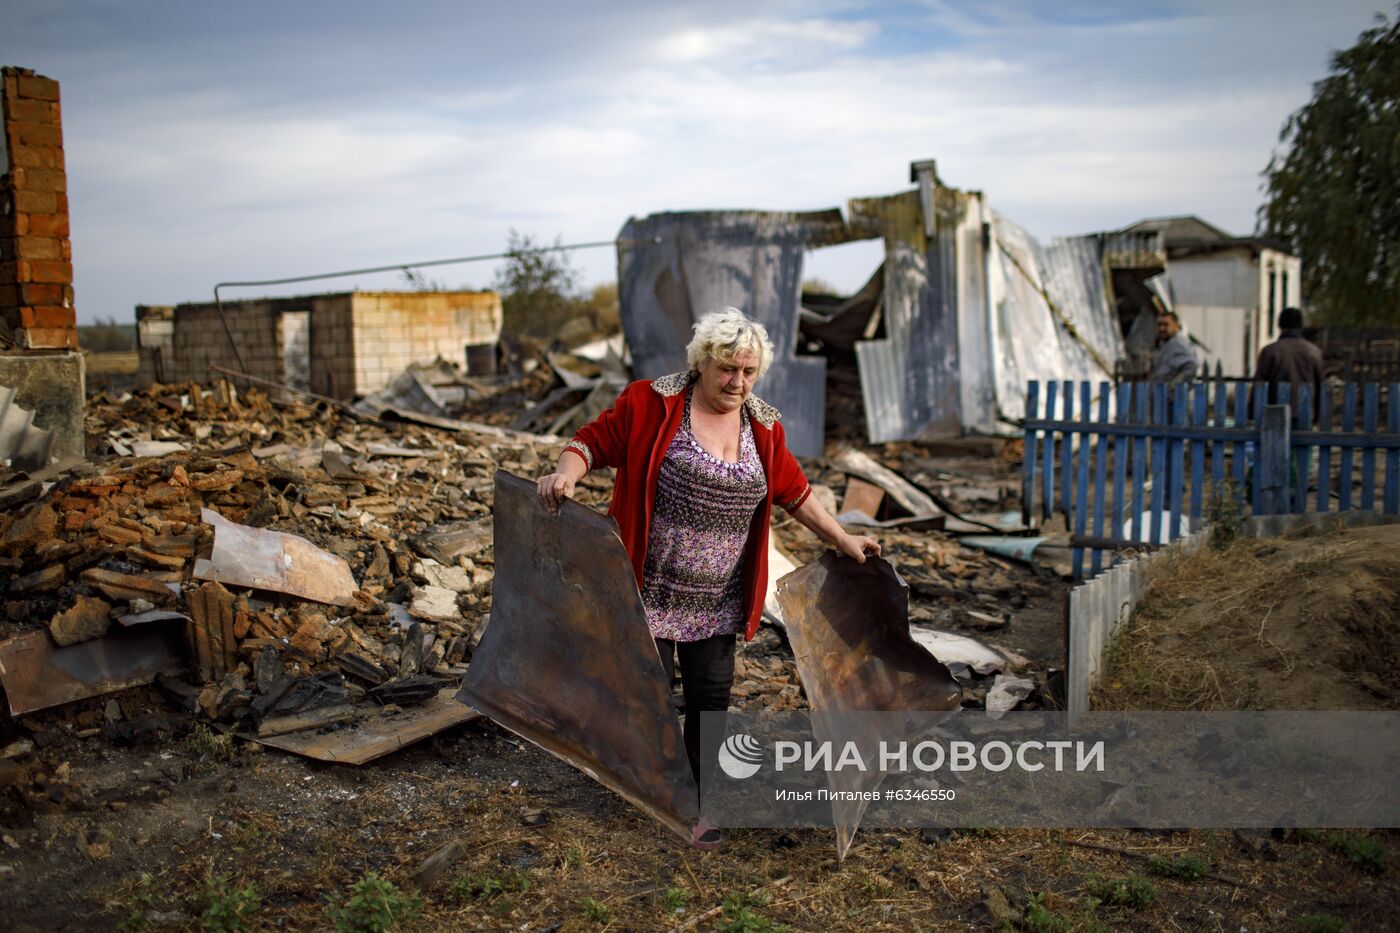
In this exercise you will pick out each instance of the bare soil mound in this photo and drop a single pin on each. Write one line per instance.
(1310, 622)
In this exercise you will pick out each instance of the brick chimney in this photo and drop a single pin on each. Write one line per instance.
(36, 260)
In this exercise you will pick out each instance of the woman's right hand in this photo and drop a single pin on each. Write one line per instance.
(554, 489)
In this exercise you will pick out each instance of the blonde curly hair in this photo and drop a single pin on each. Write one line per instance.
(723, 335)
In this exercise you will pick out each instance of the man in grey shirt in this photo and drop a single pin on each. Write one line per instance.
(1175, 360)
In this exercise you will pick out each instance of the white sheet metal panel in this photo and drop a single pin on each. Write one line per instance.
(1032, 340)
(977, 382)
(22, 446)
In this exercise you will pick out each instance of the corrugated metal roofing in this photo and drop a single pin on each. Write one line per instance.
(22, 446)
(675, 267)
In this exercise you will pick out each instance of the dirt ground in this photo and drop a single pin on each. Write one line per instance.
(132, 825)
(126, 815)
(1297, 623)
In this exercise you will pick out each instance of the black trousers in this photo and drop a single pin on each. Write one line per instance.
(707, 676)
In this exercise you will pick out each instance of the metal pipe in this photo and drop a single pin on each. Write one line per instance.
(396, 267)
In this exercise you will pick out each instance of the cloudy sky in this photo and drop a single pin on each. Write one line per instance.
(210, 142)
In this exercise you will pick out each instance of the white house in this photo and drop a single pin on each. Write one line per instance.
(1226, 290)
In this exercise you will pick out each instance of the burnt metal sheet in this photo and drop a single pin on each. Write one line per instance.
(376, 734)
(848, 624)
(25, 447)
(567, 660)
(849, 627)
(38, 674)
(911, 379)
(675, 267)
(274, 560)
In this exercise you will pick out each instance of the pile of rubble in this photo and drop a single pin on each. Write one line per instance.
(177, 533)
(294, 568)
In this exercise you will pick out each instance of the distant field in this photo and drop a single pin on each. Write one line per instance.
(116, 363)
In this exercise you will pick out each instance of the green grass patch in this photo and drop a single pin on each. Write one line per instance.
(596, 912)
(738, 914)
(1320, 923)
(143, 899)
(228, 908)
(484, 886)
(676, 900)
(375, 905)
(1134, 891)
(1365, 852)
(1185, 867)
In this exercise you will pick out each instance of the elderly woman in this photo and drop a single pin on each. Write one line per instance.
(700, 462)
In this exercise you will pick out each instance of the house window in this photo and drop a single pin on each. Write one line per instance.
(1283, 292)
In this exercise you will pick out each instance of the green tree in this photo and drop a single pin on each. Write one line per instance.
(1334, 194)
(536, 283)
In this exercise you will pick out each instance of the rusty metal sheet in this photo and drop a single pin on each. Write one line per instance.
(567, 660)
(274, 560)
(677, 266)
(848, 624)
(376, 734)
(38, 674)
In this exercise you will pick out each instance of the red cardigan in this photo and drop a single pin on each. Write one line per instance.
(632, 437)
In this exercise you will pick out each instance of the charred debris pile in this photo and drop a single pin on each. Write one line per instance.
(314, 576)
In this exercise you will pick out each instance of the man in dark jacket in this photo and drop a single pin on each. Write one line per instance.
(1292, 358)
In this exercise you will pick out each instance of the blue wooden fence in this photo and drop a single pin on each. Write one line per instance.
(1128, 462)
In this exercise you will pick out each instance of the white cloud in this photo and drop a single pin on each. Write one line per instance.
(432, 142)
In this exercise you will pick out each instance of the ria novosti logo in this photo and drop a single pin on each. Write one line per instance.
(741, 756)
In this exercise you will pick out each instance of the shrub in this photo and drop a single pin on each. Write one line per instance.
(227, 908)
(376, 904)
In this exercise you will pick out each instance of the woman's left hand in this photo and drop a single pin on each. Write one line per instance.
(858, 546)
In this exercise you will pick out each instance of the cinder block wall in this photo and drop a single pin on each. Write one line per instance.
(155, 341)
(200, 342)
(36, 259)
(391, 330)
(332, 346)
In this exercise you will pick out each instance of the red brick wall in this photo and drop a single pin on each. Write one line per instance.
(36, 260)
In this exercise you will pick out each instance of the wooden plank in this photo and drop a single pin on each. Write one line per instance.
(1159, 462)
(1260, 397)
(1369, 421)
(377, 733)
(1240, 450)
(1392, 457)
(1285, 397)
(1272, 469)
(1176, 458)
(1302, 452)
(1139, 457)
(1348, 426)
(1324, 452)
(1031, 445)
(1047, 474)
(1077, 689)
(1067, 452)
(1199, 418)
(1101, 475)
(1081, 503)
(862, 496)
(1121, 449)
(1217, 450)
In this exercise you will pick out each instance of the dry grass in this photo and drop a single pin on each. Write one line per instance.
(1142, 676)
(1290, 623)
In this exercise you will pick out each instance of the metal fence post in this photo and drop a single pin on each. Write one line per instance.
(1274, 445)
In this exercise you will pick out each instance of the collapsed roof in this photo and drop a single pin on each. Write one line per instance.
(971, 307)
